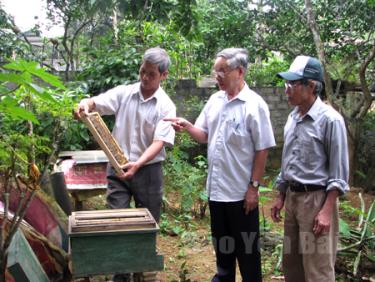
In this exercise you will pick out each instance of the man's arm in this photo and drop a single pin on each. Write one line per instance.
(252, 194)
(277, 207)
(181, 124)
(278, 204)
(337, 148)
(151, 152)
(322, 221)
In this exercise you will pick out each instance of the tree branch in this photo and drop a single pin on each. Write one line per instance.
(364, 86)
(320, 48)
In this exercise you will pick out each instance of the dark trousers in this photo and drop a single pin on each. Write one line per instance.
(146, 186)
(235, 236)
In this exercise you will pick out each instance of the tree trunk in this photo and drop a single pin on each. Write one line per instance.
(3, 265)
(353, 137)
(115, 24)
(311, 21)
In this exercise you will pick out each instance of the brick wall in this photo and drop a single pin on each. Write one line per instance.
(189, 97)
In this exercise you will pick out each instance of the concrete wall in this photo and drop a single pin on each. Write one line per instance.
(189, 98)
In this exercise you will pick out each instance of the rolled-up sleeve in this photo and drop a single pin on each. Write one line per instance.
(337, 149)
(281, 184)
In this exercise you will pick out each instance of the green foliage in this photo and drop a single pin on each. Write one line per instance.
(278, 32)
(29, 97)
(265, 73)
(11, 43)
(264, 223)
(179, 48)
(276, 266)
(225, 24)
(109, 64)
(365, 170)
(346, 29)
(185, 178)
(177, 224)
(358, 242)
(183, 274)
(109, 68)
(35, 114)
(22, 74)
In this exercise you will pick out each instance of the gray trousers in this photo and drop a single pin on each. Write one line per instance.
(146, 187)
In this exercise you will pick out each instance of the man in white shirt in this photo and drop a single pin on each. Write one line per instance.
(236, 124)
(139, 128)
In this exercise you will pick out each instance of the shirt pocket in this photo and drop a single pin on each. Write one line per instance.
(236, 133)
(310, 148)
(149, 124)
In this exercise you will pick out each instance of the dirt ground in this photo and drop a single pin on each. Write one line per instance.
(192, 258)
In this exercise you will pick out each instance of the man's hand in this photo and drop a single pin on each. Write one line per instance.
(129, 170)
(322, 222)
(83, 108)
(251, 199)
(277, 207)
(179, 124)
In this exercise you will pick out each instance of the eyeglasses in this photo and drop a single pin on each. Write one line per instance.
(221, 73)
(150, 74)
(292, 84)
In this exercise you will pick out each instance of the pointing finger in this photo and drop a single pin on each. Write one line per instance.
(171, 119)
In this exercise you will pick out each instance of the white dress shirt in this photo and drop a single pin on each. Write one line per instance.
(236, 129)
(138, 121)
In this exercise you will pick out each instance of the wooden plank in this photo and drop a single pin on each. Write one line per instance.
(22, 262)
(103, 229)
(111, 220)
(128, 210)
(110, 223)
(115, 212)
(110, 215)
(106, 141)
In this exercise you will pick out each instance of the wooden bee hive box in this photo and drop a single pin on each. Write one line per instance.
(107, 143)
(113, 241)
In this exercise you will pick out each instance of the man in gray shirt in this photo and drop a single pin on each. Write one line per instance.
(314, 173)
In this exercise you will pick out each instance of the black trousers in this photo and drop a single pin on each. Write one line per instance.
(235, 236)
(146, 187)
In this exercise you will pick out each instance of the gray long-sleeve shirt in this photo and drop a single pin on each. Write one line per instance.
(315, 149)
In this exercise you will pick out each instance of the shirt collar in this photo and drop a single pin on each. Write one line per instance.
(243, 95)
(156, 95)
(315, 109)
(313, 112)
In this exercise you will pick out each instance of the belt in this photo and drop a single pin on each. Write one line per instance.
(299, 187)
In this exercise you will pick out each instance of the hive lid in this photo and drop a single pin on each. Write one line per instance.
(84, 157)
(111, 220)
